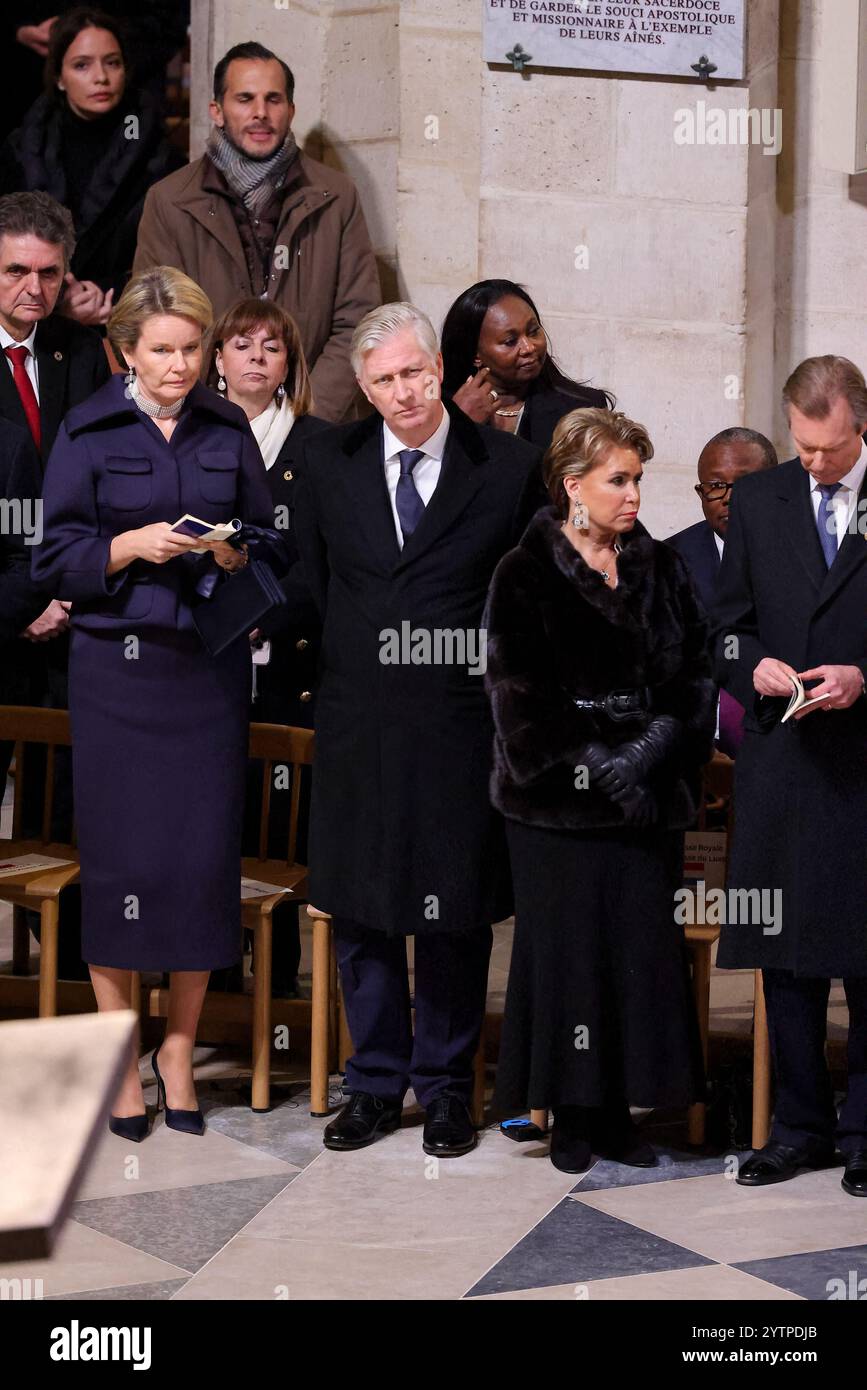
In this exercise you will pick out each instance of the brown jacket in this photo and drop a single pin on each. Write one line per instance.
(324, 272)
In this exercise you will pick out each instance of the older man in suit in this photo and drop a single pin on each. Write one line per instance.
(52, 364)
(400, 521)
(731, 454)
(792, 602)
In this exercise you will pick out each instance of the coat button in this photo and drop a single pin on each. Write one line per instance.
(305, 696)
(301, 645)
(288, 475)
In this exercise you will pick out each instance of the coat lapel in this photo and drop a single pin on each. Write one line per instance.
(365, 482)
(53, 364)
(798, 525)
(850, 557)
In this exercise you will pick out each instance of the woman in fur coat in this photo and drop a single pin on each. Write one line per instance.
(603, 703)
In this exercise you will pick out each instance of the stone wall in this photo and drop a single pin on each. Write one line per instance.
(688, 279)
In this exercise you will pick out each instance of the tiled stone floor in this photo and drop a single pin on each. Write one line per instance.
(257, 1209)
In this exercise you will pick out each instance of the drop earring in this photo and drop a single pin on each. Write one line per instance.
(130, 376)
(579, 520)
(221, 384)
(280, 393)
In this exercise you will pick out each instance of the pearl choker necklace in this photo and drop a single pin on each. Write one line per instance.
(148, 407)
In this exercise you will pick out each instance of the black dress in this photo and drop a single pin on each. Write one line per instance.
(598, 1008)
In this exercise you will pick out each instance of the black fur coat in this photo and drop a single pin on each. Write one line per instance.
(555, 629)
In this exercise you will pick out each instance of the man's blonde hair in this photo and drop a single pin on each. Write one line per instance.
(385, 322)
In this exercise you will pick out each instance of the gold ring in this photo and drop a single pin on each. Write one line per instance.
(495, 395)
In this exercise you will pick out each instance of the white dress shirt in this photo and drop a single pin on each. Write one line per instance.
(845, 500)
(6, 340)
(720, 543)
(426, 473)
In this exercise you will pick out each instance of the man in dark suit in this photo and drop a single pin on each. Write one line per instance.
(731, 454)
(51, 364)
(400, 522)
(20, 530)
(792, 601)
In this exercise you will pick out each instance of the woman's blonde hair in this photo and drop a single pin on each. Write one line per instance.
(582, 440)
(248, 314)
(160, 290)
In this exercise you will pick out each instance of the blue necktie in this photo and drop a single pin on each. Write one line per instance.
(410, 508)
(827, 523)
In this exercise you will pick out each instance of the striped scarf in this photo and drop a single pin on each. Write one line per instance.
(251, 180)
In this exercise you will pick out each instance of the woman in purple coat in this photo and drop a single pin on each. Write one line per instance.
(159, 726)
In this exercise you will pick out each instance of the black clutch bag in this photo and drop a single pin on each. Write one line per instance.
(237, 606)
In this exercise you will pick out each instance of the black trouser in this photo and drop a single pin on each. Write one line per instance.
(804, 1111)
(451, 978)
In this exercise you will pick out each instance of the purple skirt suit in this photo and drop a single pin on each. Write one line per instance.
(159, 726)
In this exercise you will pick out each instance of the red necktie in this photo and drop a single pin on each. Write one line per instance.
(18, 356)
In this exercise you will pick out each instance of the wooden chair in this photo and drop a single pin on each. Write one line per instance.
(329, 1031)
(275, 745)
(22, 725)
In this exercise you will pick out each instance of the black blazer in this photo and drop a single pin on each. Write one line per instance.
(20, 483)
(72, 365)
(801, 787)
(699, 549)
(545, 405)
(403, 838)
(286, 687)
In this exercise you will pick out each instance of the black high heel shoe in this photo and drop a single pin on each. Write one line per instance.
(133, 1127)
(186, 1121)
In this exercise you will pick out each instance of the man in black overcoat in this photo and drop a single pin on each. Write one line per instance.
(20, 529)
(400, 521)
(49, 364)
(793, 600)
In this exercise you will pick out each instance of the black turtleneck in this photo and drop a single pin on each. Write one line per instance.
(84, 143)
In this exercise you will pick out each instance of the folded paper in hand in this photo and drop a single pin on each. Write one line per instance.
(800, 699)
(206, 530)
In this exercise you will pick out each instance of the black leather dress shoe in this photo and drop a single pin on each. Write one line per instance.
(854, 1180)
(448, 1129)
(780, 1162)
(361, 1122)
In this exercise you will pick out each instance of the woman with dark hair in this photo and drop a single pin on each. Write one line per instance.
(95, 145)
(603, 703)
(497, 366)
(256, 360)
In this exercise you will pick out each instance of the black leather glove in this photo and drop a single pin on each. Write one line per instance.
(639, 807)
(631, 762)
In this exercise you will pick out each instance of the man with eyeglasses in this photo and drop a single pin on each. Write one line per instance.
(730, 455)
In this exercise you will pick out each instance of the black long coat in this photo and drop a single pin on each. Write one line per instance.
(545, 405)
(403, 837)
(287, 685)
(556, 632)
(801, 787)
(34, 157)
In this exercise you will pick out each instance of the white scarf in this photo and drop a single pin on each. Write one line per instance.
(271, 429)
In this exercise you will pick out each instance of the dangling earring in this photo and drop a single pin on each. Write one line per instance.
(579, 520)
(280, 393)
(221, 384)
(130, 376)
